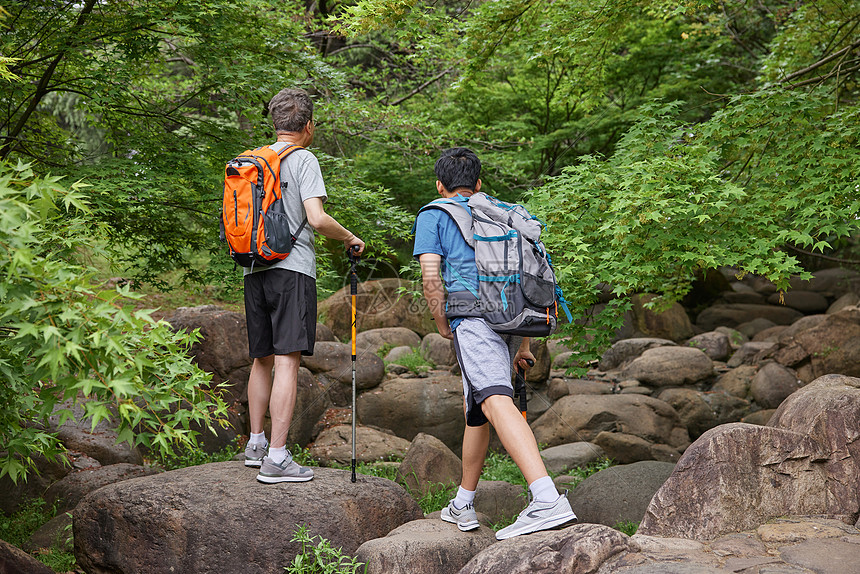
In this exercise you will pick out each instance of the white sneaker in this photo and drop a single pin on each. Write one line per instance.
(465, 518)
(539, 516)
(254, 453)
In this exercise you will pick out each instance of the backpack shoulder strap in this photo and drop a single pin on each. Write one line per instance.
(459, 211)
(282, 153)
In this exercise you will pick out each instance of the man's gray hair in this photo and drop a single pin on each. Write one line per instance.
(291, 110)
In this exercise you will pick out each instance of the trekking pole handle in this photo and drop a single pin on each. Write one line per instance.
(520, 389)
(352, 254)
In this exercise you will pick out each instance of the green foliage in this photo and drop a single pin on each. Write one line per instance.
(628, 527)
(499, 466)
(415, 362)
(187, 455)
(318, 557)
(674, 200)
(580, 473)
(17, 528)
(435, 497)
(65, 338)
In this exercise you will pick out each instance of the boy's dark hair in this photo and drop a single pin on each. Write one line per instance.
(291, 110)
(458, 167)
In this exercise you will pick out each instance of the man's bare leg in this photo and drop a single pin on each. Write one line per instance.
(259, 389)
(282, 401)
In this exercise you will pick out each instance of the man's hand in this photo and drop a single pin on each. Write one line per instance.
(353, 240)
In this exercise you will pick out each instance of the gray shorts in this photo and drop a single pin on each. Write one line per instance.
(486, 359)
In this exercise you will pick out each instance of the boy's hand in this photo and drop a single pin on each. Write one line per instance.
(522, 358)
(445, 330)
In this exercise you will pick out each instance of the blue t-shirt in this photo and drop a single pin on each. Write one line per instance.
(436, 232)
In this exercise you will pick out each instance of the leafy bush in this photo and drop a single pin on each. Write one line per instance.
(318, 556)
(66, 338)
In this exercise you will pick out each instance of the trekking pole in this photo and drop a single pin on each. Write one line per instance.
(520, 389)
(352, 253)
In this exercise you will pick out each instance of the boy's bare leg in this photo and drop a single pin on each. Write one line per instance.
(259, 389)
(283, 396)
(516, 436)
(476, 440)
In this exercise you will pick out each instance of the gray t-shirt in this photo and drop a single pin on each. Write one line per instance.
(301, 172)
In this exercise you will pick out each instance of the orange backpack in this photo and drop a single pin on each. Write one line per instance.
(253, 218)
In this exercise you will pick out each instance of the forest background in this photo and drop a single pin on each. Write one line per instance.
(657, 140)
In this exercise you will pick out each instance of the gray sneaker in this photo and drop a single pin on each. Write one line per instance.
(539, 516)
(254, 453)
(287, 471)
(465, 518)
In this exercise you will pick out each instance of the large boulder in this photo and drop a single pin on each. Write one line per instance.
(670, 366)
(223, 346)
(847, 300)
(772, 384)
(715, 345)
(833, 282)
(379, 304)
(67, 492)
(802, 324)
(831, 347)
(539, 372)
(583, 417)
(15, 561)
(619, 493)
(45, 472)
(672, 323)
(438, 350)
(828, 411)
(334, 445)
(623, 351)
(218, 518)
(735, 314)
(564, 457)
(738, 476)
(428, 546)
(577, 549)
(804, 301)
(701, 411)
(101, 443)
(427, 464)
(408, 406)
(375, 339)
(334, 360)
(311, 402)
(736, 381)
(500, 500)
(222, 350)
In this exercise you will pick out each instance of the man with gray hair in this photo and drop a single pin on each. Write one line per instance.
(281, 299)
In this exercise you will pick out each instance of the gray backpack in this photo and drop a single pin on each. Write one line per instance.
(517, 291)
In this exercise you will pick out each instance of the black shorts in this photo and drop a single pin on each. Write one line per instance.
(281, 312)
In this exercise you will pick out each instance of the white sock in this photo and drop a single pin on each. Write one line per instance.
(278, 455)
(258, 437)
(464, 498)
(543, 490)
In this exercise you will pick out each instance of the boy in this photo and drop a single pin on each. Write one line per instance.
(485, 361)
